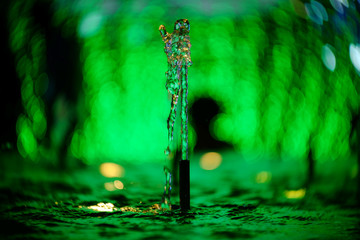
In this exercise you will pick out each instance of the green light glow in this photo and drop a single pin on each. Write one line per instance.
(265, 70)
(28, 46)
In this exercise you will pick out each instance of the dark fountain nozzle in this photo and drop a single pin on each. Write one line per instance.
(184, 185)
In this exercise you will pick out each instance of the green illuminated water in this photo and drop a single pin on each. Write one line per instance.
(184, 115)
(166, 199)
(177, 49)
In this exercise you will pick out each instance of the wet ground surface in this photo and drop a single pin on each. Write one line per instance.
(39, 202)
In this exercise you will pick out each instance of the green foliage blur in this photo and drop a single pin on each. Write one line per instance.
(263, 65)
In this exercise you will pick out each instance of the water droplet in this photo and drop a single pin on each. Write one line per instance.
(166, 200)
(167, 151)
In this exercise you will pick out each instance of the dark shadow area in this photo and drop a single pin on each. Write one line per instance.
(10, 86)
(64, 74)
(202, 113)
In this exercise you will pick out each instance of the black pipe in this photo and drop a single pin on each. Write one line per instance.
(184, 175)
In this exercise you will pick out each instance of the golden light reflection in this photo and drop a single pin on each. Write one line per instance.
(118, 184)
(109, 186)
(115, 185)
(153, 209)
(109, 207)
(295, 194)
(111, 170)
(103, 207)
(263, 177)
(210, 161)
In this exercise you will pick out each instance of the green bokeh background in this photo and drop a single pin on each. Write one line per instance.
(260, 61)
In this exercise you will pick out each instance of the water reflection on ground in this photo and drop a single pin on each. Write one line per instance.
(238, 199)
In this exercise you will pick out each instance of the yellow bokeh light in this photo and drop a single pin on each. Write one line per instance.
(111, 170)
(118, 184)
(263, 177)
(295, 194)
(210, 161)
(109, 186)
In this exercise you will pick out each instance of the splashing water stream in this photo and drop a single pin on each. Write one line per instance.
(165, 203)
(177, 49)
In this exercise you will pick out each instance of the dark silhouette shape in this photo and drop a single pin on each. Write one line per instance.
(10, 95)
(64, 73)
(202, 112)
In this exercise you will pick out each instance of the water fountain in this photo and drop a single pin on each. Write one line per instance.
(277, 102)
(177, 49)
